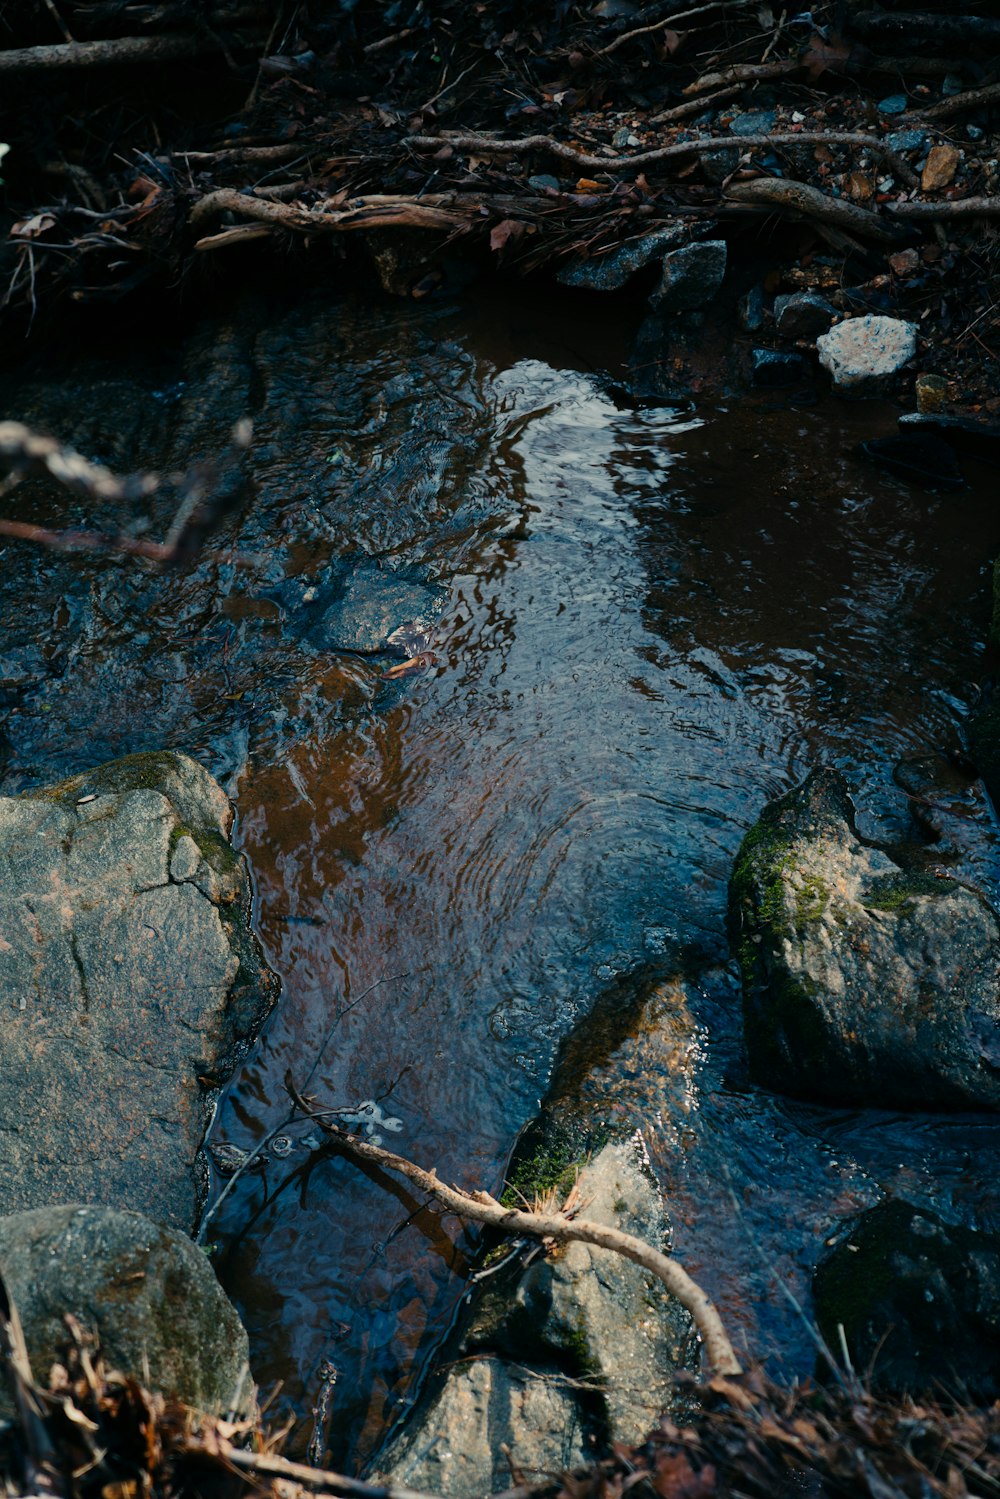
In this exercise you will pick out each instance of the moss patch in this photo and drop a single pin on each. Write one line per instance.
(897, 892)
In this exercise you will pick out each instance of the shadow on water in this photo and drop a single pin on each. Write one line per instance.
(652, 622)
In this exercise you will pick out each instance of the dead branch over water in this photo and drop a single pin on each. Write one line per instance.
(480, 1207)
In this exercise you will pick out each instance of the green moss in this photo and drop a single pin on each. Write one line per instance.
(552, 1169)
(897, 892)
(576, 1346)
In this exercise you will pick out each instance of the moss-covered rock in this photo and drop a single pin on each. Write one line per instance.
(131, 981)
(919, 1302)
(146, 1292)
(861, 982)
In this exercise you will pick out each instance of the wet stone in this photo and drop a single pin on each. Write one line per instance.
(360, 612)
(752, 309)
(919, 457)
(862, 982)
(907, 140)
(919, 1302)
(755, 122)
(611, 271)
(893, 104)
(130, 979)
(691, 277)
(770, 368)
(802, 314)
(147, 1292)
(543, 183)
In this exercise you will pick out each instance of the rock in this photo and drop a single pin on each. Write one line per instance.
(755, 122)
(581, 1314)
(861, 983)
(931, 392)
(363, 610)
(691, 276)
(982, 727)
(543, 183)
(905, 263)
(484, 1407)
(893, 104)
(718, 165)
(802, 314)
(752, 309)
(769, 368)
(532, 1331)
(591, 1312)
(919, 457)
(147, 1292)
(131, 985)
(864, 353)
(919, 1302)
(611, 271)
(940, 168)
(906, 140)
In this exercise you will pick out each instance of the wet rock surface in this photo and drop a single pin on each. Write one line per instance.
(146, 1292)
(362, 610)
(863, 354)
(131, 984)
(861, 982)
(802, 314)
(691, 277)
(612, 271)
(919, 1302)
(563, 1356)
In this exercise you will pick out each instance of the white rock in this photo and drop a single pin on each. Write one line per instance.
(863, 353)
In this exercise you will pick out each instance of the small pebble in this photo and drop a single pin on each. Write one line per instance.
(895, 104)
(974, 132)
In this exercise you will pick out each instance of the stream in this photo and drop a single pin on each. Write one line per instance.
(641, 625)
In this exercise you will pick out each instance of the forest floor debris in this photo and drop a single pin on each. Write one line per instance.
(837, 154)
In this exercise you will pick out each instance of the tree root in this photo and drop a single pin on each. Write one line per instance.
(799, 197)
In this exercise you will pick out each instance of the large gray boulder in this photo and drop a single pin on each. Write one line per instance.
(146, 1292)
(576, 1351)
(130, 985)
(862, 983)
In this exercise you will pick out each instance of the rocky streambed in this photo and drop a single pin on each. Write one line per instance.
(501, 679)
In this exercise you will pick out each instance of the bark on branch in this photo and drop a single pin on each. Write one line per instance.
(488, 145)
(480, 1207)
(119, 50)
(799, 197)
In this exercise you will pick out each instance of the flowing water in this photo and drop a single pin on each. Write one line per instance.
(651, 622)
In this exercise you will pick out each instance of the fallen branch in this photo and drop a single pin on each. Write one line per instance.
(480, 1207)
(951, 208)
(488, 145)
(695, 106)
(799, 197)
(360, 213)
(118, 51)
(668, 21)
(745, 72)
(971, 99)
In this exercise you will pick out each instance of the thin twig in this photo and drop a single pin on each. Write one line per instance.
(480, 1207)
(668, 21)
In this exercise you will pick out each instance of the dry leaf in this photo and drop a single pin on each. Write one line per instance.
(39, 223)
(506, 231)
(823, 53)
(587, 185)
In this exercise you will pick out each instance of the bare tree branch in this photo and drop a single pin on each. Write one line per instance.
(480, 1207)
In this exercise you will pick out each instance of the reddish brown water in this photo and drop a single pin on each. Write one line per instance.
(654, 621)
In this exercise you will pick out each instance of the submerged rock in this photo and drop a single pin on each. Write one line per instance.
(360, 611)
(861, 983)
(863, 354)
(147, 1293)
(919, 1302)
(917, 456)
(131, 981)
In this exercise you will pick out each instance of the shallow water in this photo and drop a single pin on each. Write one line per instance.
(653, 622)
